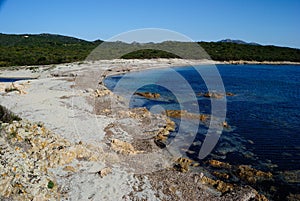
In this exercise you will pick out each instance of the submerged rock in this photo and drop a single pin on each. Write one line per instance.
(292, 176)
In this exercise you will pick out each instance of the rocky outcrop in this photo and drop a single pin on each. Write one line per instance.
(102, 92)
(163, 133)
(182, 164)
(123, 147)
(221, 175)
(148, 95)
(225, 124)
(24, 151)
(252, 175)
(230, 94)
(219, 164)
(213, 95)
(186, 114)
(135, 113)
(105, 171)
(27, 151)
(218, 184)
(14, 87)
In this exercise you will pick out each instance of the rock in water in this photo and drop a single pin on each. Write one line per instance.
(148, 95)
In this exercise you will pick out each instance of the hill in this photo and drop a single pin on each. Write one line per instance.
(237, 42)
(28, 49)
(221, 51)
(37, 49)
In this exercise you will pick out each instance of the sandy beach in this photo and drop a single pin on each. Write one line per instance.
(110, 155)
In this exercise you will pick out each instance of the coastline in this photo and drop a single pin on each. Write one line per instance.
(167, 62)
(69, 101)
(262, 62)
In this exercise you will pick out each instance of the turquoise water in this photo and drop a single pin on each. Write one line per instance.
(264, 114)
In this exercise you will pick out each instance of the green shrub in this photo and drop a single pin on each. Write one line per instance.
(6, 116)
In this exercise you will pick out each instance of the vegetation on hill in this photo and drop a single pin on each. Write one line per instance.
(42, 49)
(231, 51)
(39, 49)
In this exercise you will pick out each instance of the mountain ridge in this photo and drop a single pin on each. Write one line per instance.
(227, 40)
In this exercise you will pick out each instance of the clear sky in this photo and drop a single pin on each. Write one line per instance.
(275, 22)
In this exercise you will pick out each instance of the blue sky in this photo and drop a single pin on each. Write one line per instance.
(273, 22)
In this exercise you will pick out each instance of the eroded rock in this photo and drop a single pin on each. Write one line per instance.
(219, 164)
(123, 147)
(252, 175)
(148, 95)
(213, 95)
(15, 87)
(27, 152)
(218, 184)
(230, 94)
(182, 164)
(185, 114)
(102, 92)
(105, 171)
(221, 175)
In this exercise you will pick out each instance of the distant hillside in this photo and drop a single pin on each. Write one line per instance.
(237, 42)
(231, 51)
(39, 49)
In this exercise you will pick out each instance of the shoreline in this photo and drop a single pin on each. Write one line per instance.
(175, 62)
(71, 103)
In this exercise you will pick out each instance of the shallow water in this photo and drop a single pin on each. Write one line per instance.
(264, 113)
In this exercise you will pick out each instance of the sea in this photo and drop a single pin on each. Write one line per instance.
(263, 114)
(12, 79)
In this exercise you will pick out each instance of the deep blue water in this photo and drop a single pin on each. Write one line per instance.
(264, 114)
(12, 79)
